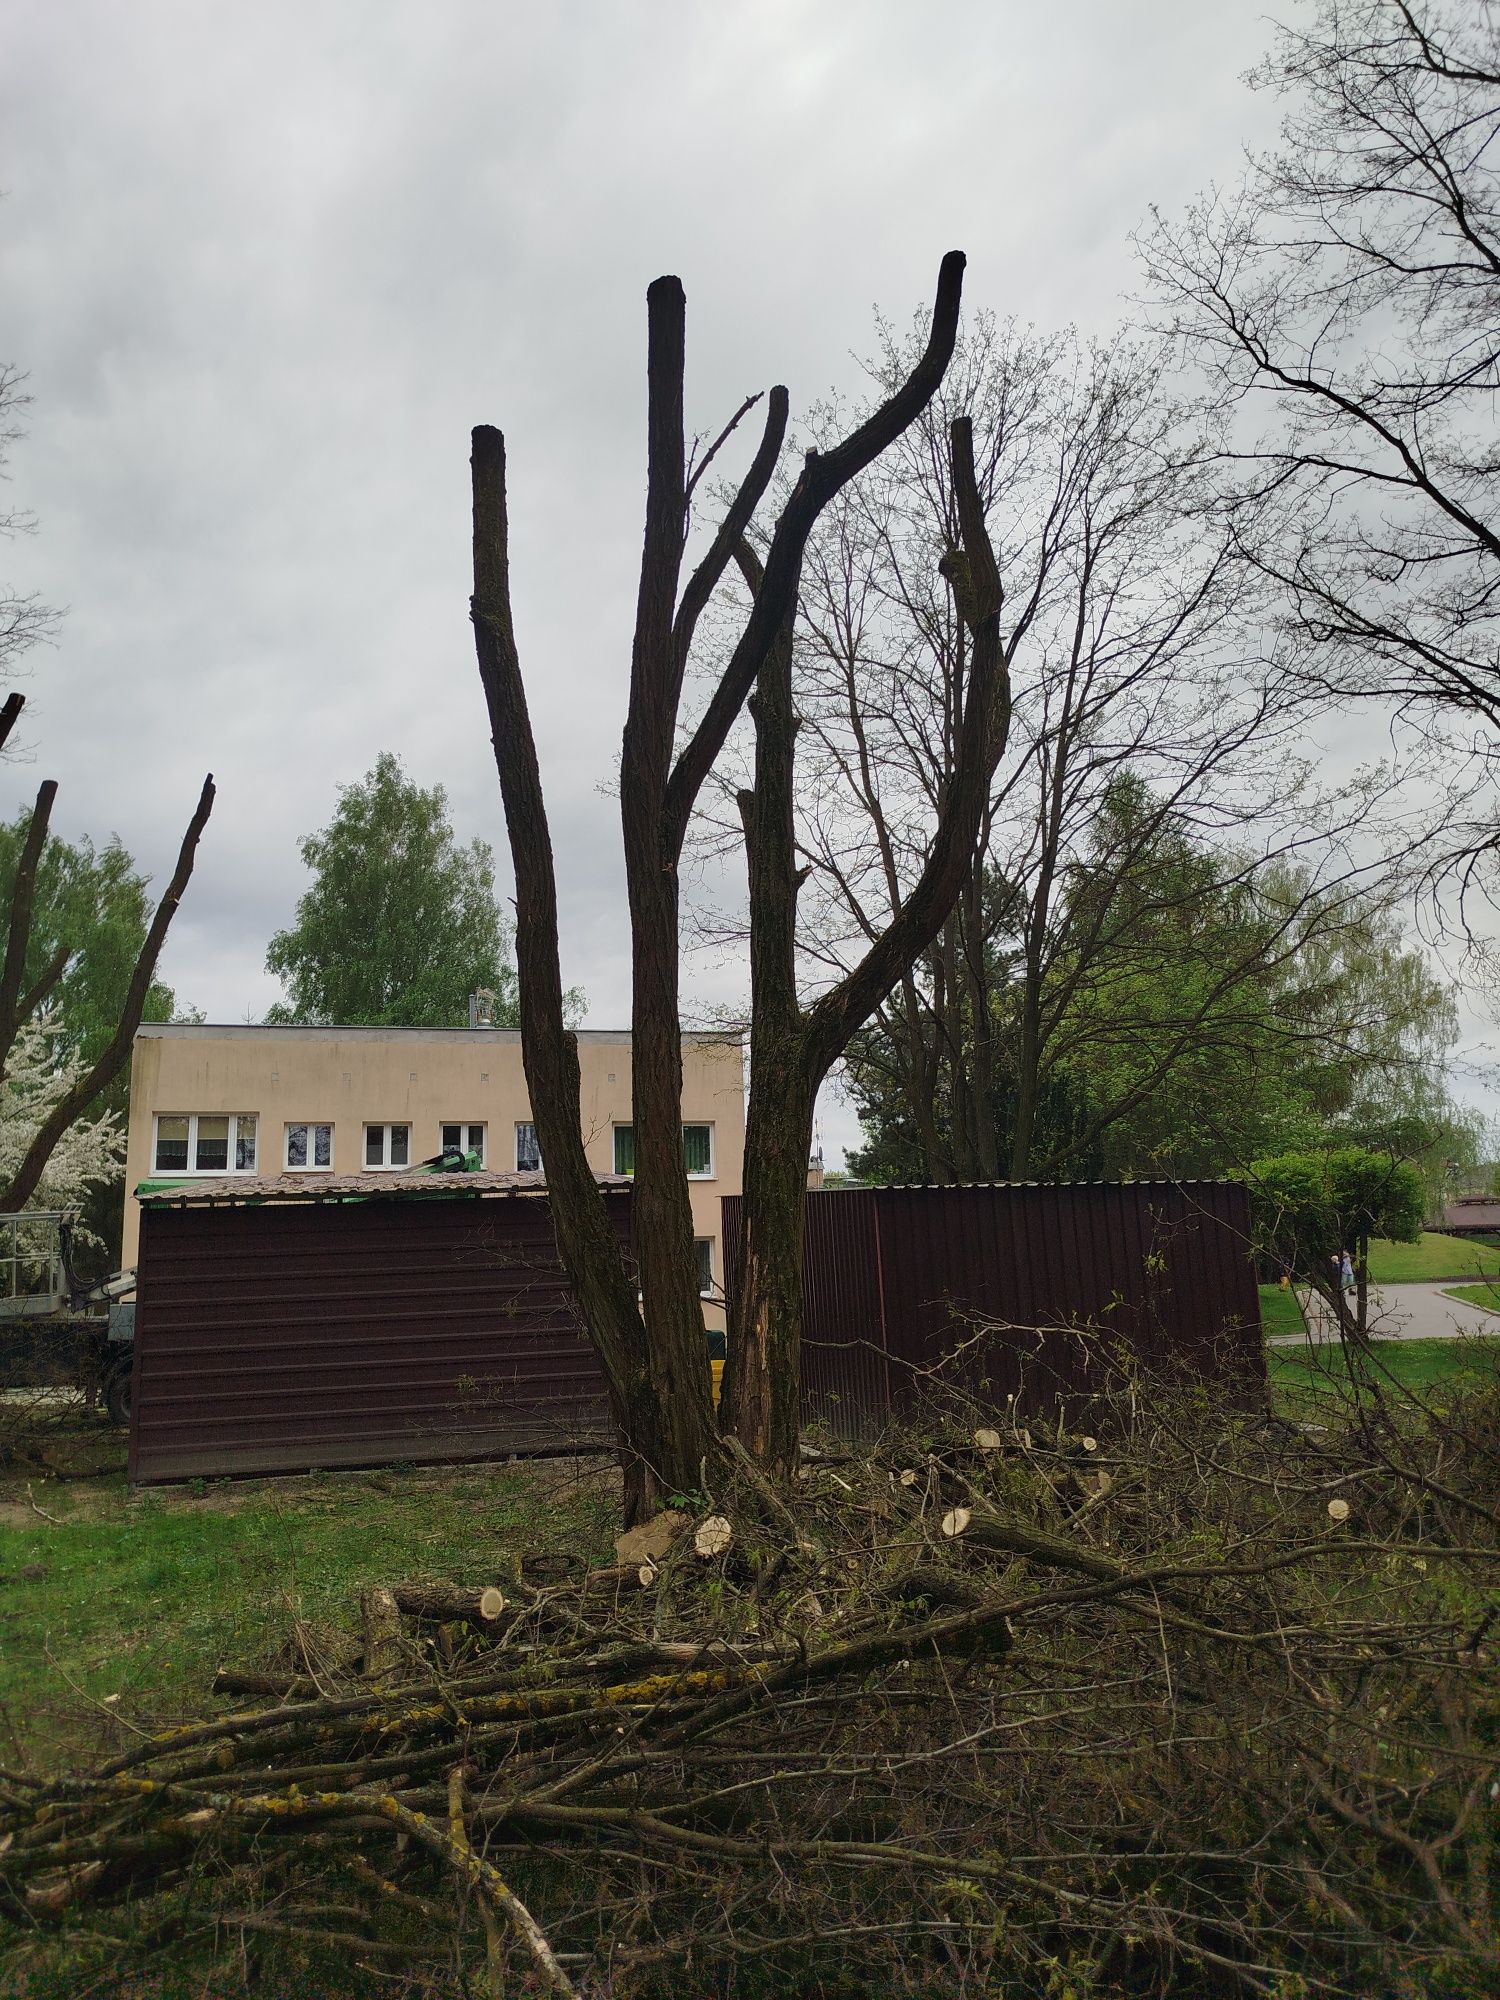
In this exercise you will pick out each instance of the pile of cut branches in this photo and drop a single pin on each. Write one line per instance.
(1198, 1703)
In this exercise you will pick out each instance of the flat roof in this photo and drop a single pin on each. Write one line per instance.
(200, 1191)
(234, 1030)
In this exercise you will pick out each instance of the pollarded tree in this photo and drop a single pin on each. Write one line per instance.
(793, 1044)
(401, 924)
(652, 1347)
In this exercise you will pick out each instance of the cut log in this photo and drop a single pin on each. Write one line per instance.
(942, 1589)
(450, 1603)
(1014, 1538)
(382, 1627)
(712, 1536)
(234, 1680)
(622, 1576)
(651, 1540)
(988, 1440)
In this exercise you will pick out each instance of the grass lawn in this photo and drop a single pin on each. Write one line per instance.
(1435, 1257)
(1279, 1311)
(144, 1597)
(1487, 1296)
(1300, 1375)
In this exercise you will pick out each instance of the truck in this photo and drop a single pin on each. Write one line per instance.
(57, 1330)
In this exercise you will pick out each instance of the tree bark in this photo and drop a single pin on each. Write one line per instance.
(791, 1049)
(586, 1239)
(662, 1213)
(10, 715)
(981, 1027)
(760, 1395)
(444, 1603)
(23, 897)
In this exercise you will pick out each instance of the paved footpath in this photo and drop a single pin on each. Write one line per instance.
(1402, 1312)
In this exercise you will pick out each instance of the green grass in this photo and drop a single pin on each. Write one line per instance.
(1279, 1311)
(1487, 1296)
(1435, 1257)
(1300, 1375)
(142, 1598)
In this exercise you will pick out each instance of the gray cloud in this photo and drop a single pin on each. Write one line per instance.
(267, 266)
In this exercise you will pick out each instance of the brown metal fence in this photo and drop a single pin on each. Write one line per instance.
(276, 1336)
(1031, 1292)
(283, 1337)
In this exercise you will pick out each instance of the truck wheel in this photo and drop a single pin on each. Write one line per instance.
(117, 1397)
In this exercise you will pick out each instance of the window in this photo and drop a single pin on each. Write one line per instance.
(704, 1248)
(464, 1139)
(528, 1152)
(387, 1146)
(309, 1147)
(206, 1143)
(697, 1151)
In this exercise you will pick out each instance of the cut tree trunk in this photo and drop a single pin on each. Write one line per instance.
(450, 1603)
(761, 1394)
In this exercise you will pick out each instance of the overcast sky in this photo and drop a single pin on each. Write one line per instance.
(267, 265)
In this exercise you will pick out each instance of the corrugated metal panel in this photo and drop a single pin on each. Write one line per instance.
(845, 1362)
(282, 1337)
(1157, 1270)
(1061, 1279)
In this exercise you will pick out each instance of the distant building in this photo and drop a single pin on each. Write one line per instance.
(213, 1102)
(1472, 1215)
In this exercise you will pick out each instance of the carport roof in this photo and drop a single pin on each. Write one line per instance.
(236, 1189)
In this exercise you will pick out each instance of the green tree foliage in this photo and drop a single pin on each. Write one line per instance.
(95, 901)
(401, 924)
(1230, 1009)
(1205, 1010)
(1307, 1208)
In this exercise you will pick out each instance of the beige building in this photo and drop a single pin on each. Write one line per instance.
(213, 1102)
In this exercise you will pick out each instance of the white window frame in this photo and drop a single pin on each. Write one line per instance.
(310, 1125)
(384, 1127)
(711, 1171)
(527, 1125)
(190, 1171)
(469, 1125)
(710, 1290)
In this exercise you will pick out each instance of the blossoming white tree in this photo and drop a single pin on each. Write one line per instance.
(38, 1076)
